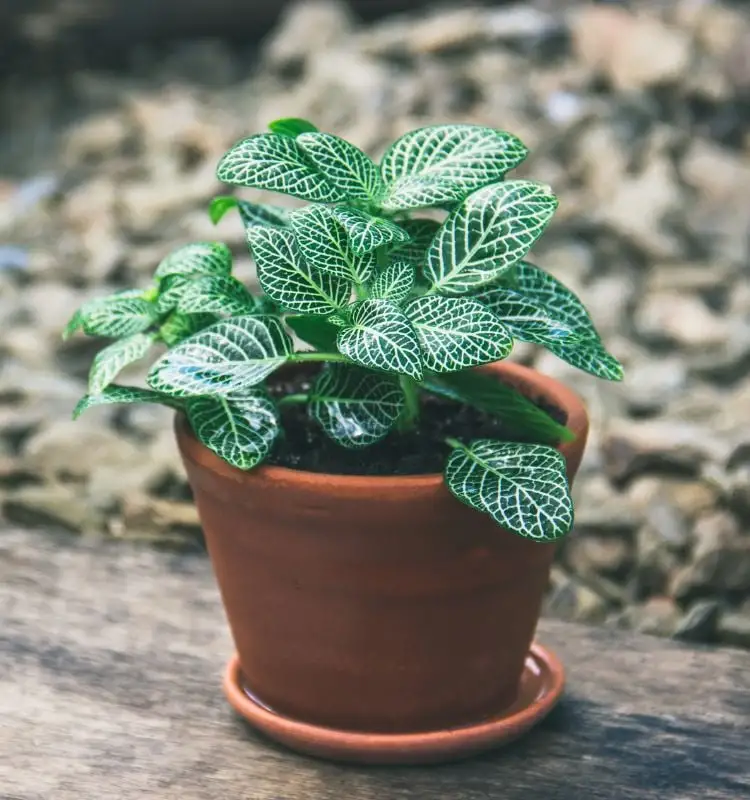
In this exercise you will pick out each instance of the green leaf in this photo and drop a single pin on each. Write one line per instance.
(199, 258)
(588, 353)
(422, 232)
(523, 487)
(380, 336)
(286, 277)
(526, 319)
(456, 333)
(366, 232)
(486, 393)
(487, 234)
(226, 358)
(178, 327)
(122, 394)
(219, 294)
(316, 331)
(108, 362)
(394, 283)
(170, 290)
(77, 320)
(344, 165)
(241, 431)
(442, 164)
(253, 214)
(325, 245)
(355, 408)
(279, 164)
(119, 317)
(291, 126)
(219, 206)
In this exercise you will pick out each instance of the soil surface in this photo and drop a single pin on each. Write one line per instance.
(304, 445)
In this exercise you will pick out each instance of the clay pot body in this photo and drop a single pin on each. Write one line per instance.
(377, 604)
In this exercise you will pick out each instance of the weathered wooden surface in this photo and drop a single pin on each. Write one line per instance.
(110, 661)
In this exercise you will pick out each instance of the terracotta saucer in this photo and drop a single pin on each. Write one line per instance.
(541, 686)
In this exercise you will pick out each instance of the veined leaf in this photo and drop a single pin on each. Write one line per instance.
(367, 233)
(394, 283)
(226, 358)
(170, 291)
(278, 163)
(291, 126)
(178, 327)
(199, 258)
(250, 213)
(587, 353)
(526, 319)
(344, 165)
(487, 234)
(442, 164)
(286, 277)
(119, 317)
(523, 487)
(108, 362)
(241, 431)
(76, 321)
(317, 331)
(422, 232)
(380, 336)
(456, 333)
(325, 245)
(123, 394)
(354, 407)
(492, 396)
(217, 294)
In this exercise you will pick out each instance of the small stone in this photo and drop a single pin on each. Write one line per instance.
(651, 385)
(680, 319)
(734, 628)
(669, 524)
(722, 175)
(100, 136)
(42, 506)
(600, 509)
(655, 563)
(658, 616)
(158, 520)
(604, 555)
(632, 448)
(699, 623)
(450, 30)
(519, 21)
(570, 600)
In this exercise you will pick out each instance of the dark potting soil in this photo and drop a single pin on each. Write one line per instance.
(303, 445)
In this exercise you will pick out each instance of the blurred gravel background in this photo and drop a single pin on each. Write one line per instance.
(638, 117)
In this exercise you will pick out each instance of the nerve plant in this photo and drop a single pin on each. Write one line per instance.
(393, 305)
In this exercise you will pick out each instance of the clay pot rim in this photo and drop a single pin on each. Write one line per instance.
(525, 377)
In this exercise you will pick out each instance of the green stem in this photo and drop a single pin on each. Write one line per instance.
(313, 355)
(455, 444)
(290, 399)
(410, 414)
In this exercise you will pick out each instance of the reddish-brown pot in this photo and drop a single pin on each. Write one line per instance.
(377, 604)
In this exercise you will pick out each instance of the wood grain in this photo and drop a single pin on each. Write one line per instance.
(110, 661)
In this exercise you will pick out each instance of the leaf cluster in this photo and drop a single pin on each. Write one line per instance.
(399, 277)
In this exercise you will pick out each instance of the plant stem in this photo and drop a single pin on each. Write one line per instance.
(289, 399)
(455, 444)
(410, 414)
(313, 355)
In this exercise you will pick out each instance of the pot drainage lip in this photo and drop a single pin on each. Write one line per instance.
(542, 685)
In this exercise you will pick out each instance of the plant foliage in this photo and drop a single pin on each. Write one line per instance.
(391, 301)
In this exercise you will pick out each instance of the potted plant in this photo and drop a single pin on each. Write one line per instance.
(380, 495)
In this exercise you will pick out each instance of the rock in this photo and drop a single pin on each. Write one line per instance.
(669, 524)
(734, 628)
(604, 555)
(658, 616)
(455, 29)
(520, 21)
(306, 29)
(168, 522)
(96, 137)
(680, 319)
(699, 623)
(722, 175)
(690, 498)
(651, 385)
(53, 505)
(632, 448)
(634, 51)
(602, 510)
(570, 600)
(655, 564)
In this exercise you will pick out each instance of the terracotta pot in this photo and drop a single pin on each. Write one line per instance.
(378, 604)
